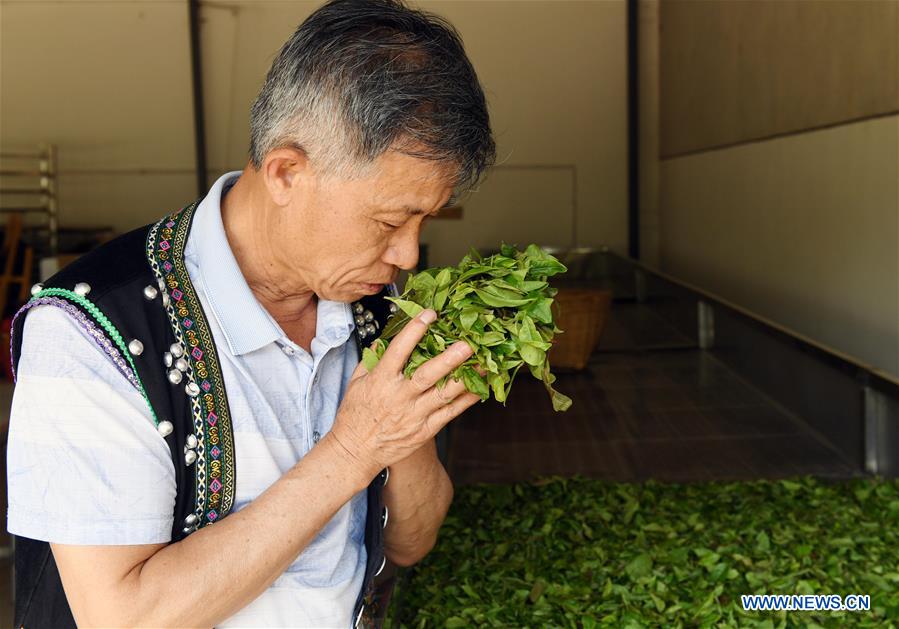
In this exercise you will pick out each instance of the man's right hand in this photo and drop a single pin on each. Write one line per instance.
(385, 417)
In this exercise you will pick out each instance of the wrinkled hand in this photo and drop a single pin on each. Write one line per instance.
(385, 417)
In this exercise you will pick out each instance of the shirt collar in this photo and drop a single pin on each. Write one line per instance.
(247, 326)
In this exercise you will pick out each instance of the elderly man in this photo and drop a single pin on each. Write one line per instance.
(193, 441)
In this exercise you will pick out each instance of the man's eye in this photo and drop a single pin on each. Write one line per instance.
(389, 226)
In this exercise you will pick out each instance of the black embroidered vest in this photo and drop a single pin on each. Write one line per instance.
(134, 297)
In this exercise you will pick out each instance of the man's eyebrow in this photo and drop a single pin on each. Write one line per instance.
(414, 211)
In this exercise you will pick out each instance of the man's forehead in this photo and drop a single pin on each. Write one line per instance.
(402, 183)
(410, 209)
(414, 198)
(396, 166)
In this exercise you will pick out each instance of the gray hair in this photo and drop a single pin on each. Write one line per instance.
(360, 77)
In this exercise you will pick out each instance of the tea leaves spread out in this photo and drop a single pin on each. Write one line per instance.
(500, 305)
(584, 553)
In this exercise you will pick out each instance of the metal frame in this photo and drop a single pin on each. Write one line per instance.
(36, 178)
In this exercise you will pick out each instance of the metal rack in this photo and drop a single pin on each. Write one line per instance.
(28, 180)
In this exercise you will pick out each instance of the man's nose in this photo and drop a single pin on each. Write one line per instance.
(403, 251)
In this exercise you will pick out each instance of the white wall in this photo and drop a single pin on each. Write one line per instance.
(109, 83)
(802, 229)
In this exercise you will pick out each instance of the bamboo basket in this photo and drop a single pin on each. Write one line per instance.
(582, 314)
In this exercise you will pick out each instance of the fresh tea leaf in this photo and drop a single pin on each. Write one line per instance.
(500, 305)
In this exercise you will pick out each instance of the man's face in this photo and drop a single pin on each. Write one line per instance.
(347, 238)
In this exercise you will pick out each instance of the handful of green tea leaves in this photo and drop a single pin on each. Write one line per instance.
(499, 305)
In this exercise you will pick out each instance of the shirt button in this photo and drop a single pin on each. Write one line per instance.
(316, 437)
(287, 349)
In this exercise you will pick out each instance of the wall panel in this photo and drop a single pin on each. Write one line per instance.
(737, 71)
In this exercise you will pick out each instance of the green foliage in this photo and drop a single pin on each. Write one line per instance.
(583, 553)
(499, 305)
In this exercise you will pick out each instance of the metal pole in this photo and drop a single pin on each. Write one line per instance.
(706, 324)
(633, 136)
(881, 413)
(193, 9)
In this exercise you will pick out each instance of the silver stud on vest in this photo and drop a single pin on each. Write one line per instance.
(150, 292)
(392, 307)
(135, 347)
(177, 350)
(82, 289)
(192, 389)
(175, 376)
(368, 316)
(370, 329)
(181, 364)
(165, 300)
(165, 428)
(191, 519)
(167, 359)
(360, 320)
(357, 308)
(190, 454)
(37, 288)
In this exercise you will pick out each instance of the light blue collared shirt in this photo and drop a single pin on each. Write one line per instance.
(86, 465)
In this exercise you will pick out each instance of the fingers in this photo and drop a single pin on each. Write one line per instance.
(427, 375)
(449, 392)
(397, 353)
(443, 415)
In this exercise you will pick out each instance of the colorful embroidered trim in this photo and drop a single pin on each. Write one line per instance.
(88, 326)
(216, 469)
(106, 335)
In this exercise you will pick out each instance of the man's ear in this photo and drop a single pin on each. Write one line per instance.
(285, 171)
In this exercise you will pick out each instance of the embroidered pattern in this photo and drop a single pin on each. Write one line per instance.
(215, 471)
(88, 326)
(98, 326)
